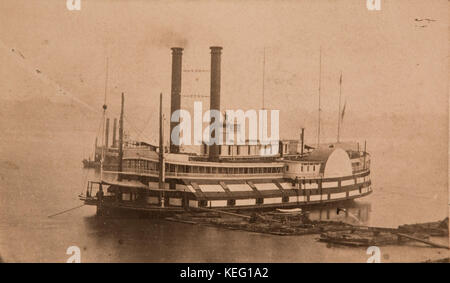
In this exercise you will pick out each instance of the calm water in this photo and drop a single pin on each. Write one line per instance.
(41, 174)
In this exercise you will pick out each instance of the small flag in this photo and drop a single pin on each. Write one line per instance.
(343, 112)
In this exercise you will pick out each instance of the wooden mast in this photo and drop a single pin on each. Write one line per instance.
(102, 159)
(161, 151)
(319, 110)
(119, 177)
(103, 123)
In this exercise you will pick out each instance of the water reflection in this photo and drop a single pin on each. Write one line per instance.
(352, 212)
(131, 238)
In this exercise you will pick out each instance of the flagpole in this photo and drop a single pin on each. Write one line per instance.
(161, 152)
(263, 76)
(339, 112)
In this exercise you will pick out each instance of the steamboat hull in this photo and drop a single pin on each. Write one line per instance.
(195, 195)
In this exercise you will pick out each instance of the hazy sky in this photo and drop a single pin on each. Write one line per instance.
(390, 62)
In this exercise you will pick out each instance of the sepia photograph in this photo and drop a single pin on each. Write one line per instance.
(238, 132)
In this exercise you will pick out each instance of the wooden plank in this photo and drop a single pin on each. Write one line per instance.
(423, 241)
(223, 212)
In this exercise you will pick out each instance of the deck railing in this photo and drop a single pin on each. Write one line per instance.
(199, 174)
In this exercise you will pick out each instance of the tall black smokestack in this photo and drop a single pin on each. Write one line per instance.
(175, 98)
(114, 141)
(216, 52)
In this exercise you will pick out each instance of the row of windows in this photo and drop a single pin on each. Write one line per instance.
(150, 165)
(231, 202)
(306, 167)
(231, 150)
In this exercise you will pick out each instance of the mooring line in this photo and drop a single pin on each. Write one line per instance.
(67, 210)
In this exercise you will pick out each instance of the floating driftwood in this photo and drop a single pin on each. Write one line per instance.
(290, 223)
(423, 241)
(276, 223)
(437, 228)
(367, 237)
(441, 260)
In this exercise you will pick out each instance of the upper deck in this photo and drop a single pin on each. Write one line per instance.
(186, 166)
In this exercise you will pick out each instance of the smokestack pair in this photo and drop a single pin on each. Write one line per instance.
(175, 104)
(107, 133)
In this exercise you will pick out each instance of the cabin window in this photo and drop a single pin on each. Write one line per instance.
(285, 199)
(238, 150)
(202, 203)
(229, 150)
(287, 168)
(231, 202)
(302, 168)
(307, 168)
(259, 201)
(314, 167)
(248, 150)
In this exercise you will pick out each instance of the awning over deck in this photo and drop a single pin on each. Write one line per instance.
(127, 184)
(241, 190)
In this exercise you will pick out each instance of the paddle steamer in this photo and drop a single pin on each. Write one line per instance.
(227, 177)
